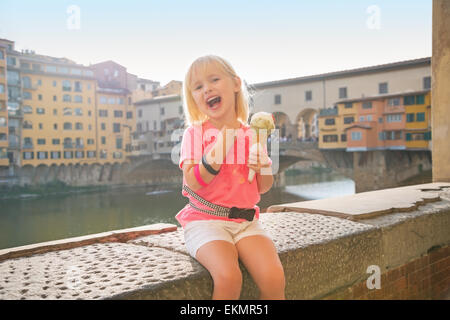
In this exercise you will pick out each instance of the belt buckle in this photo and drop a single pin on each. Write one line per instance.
(237, 213)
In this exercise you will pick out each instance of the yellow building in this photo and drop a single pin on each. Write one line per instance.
(330, 129)
(4, 161)
(58, 107)
(418, 120)
(115, 124)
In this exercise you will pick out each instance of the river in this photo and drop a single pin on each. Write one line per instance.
(47, 218)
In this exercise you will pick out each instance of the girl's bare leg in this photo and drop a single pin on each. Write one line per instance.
(220, 258)
(260, 257)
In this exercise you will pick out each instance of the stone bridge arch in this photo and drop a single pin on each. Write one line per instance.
(307, 125)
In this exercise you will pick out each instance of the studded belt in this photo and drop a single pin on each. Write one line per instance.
(231, 213)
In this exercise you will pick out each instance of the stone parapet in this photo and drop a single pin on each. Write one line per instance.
(324, 255)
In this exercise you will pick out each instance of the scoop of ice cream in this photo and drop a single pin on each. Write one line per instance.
(262, 120)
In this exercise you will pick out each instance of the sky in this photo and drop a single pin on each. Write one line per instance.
(263, 40)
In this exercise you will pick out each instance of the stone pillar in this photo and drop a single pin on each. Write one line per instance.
(440, 91)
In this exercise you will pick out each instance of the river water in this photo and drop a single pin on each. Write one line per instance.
(34, 220)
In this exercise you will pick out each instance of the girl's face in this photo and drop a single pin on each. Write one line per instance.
(214, 91)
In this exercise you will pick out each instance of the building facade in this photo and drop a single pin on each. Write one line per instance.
(296, 102)
(387, 122)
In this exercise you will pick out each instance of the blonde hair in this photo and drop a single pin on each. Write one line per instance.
(193, 113)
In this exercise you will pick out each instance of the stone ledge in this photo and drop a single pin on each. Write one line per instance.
(370, 204)
(69, 243)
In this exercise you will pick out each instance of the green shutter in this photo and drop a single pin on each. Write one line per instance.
(408, 136)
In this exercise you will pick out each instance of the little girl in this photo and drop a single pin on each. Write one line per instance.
(220, 222)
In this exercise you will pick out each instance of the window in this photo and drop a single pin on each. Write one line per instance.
(78, 126)
(28, 155)
(26, 124)
(75, 71)
(56, 141)
(393, 102)
(67, 98)
(78, 99)
(116, 127)
(78, 87)
(103, 139)
(67, 126)
(78, 111)
(63, 70)
(67, 111)
(10, 61)
(380, 120)
(420, 116)
(27, 109)
(103, 113)
(382, 88)
(369, 117)
(91, 154)
(41, 126)
(420, 99)
(330, 138)
(121, 101)
(68, 154)
(140, 113)
(348, 105)
(40, 97)
(427, 83)
(343, 137)
(356, 135)
(55, 154)
(55, 126)
(40, 141)
(36, 67)
(343, 93)
(129, 114)
(162, 111)
(408, 100)
(54, 98)
(118, 114)
(3, 122)
(103, 154)
(2, 88)
(277, 99)
(40, 110)
(50, 69)
(103, 126)
(367, 105)
(54, 83)
(119, 142)
(90, 141)
(66, 85)
(68, 143)
(382, 136)
(394, 118)
(410, 117)
(308, 95)
(79, 154)
(26, 82)
(42, 155)
(111, 101)
(329, 122)
(27, 142)
(27, 95)
(361, 119)
(348, 120)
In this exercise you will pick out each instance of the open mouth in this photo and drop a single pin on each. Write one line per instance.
(214, 102)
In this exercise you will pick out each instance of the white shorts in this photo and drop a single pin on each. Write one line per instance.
(197, 233)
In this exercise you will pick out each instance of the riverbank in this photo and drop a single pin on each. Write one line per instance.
(57, 188)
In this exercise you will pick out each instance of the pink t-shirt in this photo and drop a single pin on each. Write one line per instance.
(230, 187)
